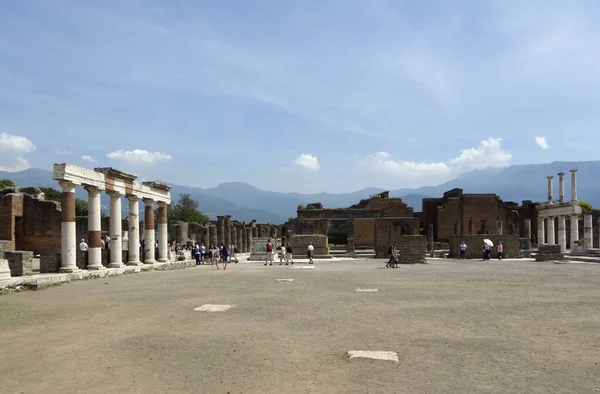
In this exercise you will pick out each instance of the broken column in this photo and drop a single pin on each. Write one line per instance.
(248, 239)
(527, 228)
(561, 186)
(562, 233)
(573, 185)
(68, 242)
(220, 230)
(541, 231)
(550, 240)
(587, 231)
(550, 197)
(574, 230)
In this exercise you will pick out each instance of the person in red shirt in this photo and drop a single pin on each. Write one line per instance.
(269, 257)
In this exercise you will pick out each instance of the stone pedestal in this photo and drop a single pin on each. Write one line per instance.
(541, 231)
(587, 231)
(259, 248)
(574, 230)
(20, 263)
(4, 270)
(527, 228)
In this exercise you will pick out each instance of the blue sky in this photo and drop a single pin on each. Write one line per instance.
(298, 95)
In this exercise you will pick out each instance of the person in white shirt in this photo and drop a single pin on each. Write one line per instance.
(232, 255)
(310, 251)
(83, 246)
(282, 255)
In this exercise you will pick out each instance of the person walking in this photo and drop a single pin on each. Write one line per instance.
(83, 246)
(288, 255)
(269, 254)
(233, 254)
(463, 250)
(309, 251)
(202, 254)
(224, 257)
(282, 257)
(500, 250)
(392, 254)
(196, 253)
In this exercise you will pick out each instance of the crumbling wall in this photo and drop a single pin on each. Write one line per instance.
(388, 230)
(38, 228)
(364, 232)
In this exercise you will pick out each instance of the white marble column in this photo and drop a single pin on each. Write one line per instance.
(562, 233)
(115, 231)
(94, 229)
(550, 240)
(587, 231)
(541, 231)
(527, 228)
(574, 230)
(573, 185)
(68, 241)
(550, 198)
(133, 231)
(149, 237)
(163, 235)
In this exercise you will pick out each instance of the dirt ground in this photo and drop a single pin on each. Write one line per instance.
(458, 327)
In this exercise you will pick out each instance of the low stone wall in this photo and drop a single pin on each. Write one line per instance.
(49, 262)
(511, 244)
(259, 248)
(20, 263)
(413, 249)
(549, 252)
(299, 244)
(4, 247)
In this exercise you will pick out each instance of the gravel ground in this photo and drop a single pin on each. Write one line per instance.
(458, 327)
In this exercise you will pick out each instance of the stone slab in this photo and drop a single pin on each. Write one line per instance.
(374, 355)
(303, 267)
(366, 290)
(284, 280)
(213, 308)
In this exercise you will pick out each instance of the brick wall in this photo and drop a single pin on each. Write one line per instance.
(5, 246)
(395, 207)
(413, 249)
(388, 230)
(474, 243)
(11, 206)
(20, 263)
(448, 214)
(38, 230)
(364, 232)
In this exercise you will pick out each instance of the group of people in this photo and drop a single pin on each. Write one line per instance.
(486, 250)
(214, 254)
(285, 253)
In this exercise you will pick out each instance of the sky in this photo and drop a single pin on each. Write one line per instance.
(304, 96)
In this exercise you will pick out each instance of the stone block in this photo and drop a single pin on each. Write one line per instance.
(5, 246)
(299, 244)
(20, 263)
(4, 270)
(259, 248)
(413, 249)
(49, 262)
(548, 252)
(81, 259)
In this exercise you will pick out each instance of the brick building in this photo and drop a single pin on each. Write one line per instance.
(458, 213)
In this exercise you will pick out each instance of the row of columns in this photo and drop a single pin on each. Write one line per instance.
(561, 187)
(562, 231)
(68, 232)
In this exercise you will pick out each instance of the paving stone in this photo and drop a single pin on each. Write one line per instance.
(213, 308)
(374, 355)
(366, 290)
(284, 280)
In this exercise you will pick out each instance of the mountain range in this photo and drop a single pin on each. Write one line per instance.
(245, 202)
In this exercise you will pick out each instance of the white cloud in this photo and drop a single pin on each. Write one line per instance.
(59, 151)
(139, 156)
(541, 142)
(14, 144)
(308, 161)
(489, 153)
(89, 158)
(12, 147)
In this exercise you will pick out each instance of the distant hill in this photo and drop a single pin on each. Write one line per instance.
(245, 202)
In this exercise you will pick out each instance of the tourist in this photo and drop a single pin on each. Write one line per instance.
(484, 251)
(107, 241)
(463, 250)
(392, 253)
(83, 246)
(232, 254)
(309, 251)
(500, 250)
(282, 255)
(269, 254)
(202, 253)
(224, 257)
(215, 257)
(196, 253)
(288, 255)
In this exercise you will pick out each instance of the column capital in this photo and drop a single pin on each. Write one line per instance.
(561, 174)
(549, 177)
(573, 170)
(162, 204)
(220, 217)
(92, 190)
(114, 193)
(132, 197)
(67, 186)
(149, 201)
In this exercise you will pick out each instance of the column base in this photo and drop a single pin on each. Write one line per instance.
(116, 265)
(69, 270)
(134, 263)
(163, 260)
(95, 267)
(150, 262)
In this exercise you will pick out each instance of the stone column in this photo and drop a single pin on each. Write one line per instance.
(259, 230)
(471, 227)
(527, 228)
(220, 230)
(68, 240)
(163, 232)
(149, 235)
(550, 240)
(212, 231)
(562, 232)
(94, 229)
(248, 240)
(550, 197)
(254, 229)
(573, 185)
(499, 227)
(561, 186)
(234, 232)
(227, 234)
(206, 236)
(133, 231)
(115, 231)
(541, 231)
(240, 239)
(574, 230)
(587, 231)
(430, 237)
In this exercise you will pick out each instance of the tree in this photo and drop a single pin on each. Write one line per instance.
(6, 183)
(51, 194)
(186, 210)
(81, 207)
(586, 207)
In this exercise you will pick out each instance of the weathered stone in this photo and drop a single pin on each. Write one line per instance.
(4, 270)
(299, 244)
(20, 263)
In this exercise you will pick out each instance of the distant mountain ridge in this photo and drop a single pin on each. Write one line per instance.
(246, 202)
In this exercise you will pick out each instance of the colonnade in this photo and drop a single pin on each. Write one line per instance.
(116, 184)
